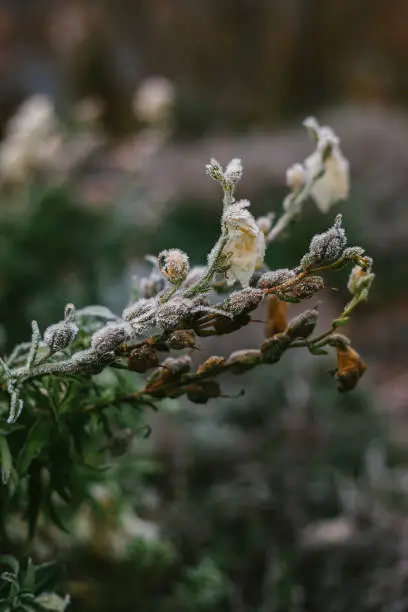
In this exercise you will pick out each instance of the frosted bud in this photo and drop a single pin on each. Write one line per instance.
(265, 223)
(233, 172)
(325, 248)
(241, 302)
(141, 308)
(353, 252)
(303, 325)
(296, 177)
(110, 337)
(214, 170)
(177, 365)
(174, 265)
(274, 278)
(60, 335)
(307, 288)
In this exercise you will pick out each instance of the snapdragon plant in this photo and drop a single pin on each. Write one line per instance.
(59, 415)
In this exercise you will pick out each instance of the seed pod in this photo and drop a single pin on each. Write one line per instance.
(181, 339)
(325, 248)
(143, 358)
(276, 321)
(222, 325)
(213, 364)
(338, 341)
(244, 301)
(273, 348)
(350, 368)
(241, 361)
(303, 325)
(177, 365)
(90, 362)
(174, 265)
(307, 288)
(200, 392)
(274, 278)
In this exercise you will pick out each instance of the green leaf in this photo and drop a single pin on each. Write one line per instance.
(6, 460)
(37, 439)
(28, 582)
(340, 322)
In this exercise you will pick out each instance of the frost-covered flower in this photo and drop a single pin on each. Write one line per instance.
(154, 99)
(334, 184)
(245, 247)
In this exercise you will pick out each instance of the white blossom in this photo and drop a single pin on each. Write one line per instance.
(334, 184)
(154, 99)
(245, 247)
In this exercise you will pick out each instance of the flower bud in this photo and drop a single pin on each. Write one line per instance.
(143, 358)
(303, 325)
(174, 265)
(177, 365)
(273, 348)
(274, 278)
(296, 177)
(214, 170)
(241, 361)
(233, 172)
(308, 287)
(265, 223)
(200, 392)
(181, 339)
(110, 337)
(59, 336)
(244, 301)
(325, 248)
(213, 365)
(351, 253)
(141, 308)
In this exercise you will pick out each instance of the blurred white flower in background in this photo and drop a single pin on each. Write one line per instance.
(334, 184)
(32, 139)
(154, 100)
(245, 247)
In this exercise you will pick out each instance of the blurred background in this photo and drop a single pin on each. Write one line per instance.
(294, 496)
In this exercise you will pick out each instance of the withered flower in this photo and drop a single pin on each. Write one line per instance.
(350, 368)
(276, 321)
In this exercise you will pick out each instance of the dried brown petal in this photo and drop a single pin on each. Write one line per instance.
(350, 368)
(143, 358)
(276, 321)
